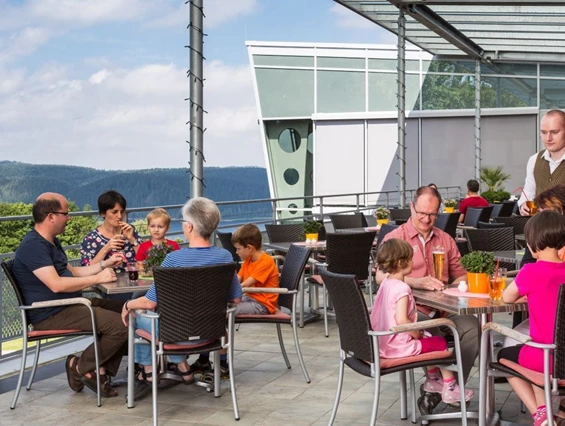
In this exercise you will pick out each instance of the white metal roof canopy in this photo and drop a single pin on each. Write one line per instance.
(488, 30)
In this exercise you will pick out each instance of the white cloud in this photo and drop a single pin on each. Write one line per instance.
(216, 12)
(23, 42)
(128, 118)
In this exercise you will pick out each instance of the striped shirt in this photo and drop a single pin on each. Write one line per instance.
(198, 256)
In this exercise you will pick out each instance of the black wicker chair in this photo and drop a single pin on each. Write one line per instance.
(553, 382)
(30, 335)
(192, 306)
(493, 239)
(490, 225)
(516, 222)
(345, 221)
(359, 348)
(400, 215)
(345, 254)
(506, 209)
(289, 283)
(476, 214)
(385, 229)
(447, 222)
(225, 240)
(289, 233)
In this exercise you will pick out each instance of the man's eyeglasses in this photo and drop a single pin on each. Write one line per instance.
(431, 216)
(61, 213)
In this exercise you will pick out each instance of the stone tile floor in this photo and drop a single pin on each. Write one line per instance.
(268, 393)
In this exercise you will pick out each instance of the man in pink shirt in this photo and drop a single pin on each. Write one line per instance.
(420, 233)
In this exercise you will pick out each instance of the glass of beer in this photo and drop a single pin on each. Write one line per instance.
(439, 257)
(497, 284)
(531, 205)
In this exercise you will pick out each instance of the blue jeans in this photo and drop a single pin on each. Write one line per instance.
(143, 352)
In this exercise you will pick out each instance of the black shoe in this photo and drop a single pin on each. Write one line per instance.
(428, 401)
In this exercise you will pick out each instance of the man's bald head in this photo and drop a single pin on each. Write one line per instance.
(46, 203)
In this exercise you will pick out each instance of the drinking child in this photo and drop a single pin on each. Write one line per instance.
(539, 282)
(158, 224)
(394, 305)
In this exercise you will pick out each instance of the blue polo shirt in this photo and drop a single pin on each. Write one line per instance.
(35, 252)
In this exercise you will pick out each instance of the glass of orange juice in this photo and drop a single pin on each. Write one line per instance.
(531, 205)
(497, 284)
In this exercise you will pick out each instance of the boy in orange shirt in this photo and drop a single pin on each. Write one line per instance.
(258, 270)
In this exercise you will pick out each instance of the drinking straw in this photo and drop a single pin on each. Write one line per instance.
(523, 192)
(496, 269)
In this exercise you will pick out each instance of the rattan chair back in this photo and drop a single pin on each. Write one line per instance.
(447, 222)
(294, 264)
(193, 301)
(225, 241)
(349, 253)
(288, 233)
(476, 214)
(400, 214)
(490, 225)
(559, 337)
(506, 209)
(493, 239)
(8, 268)
(516, 222)
(385, 229)
(344, 221)
(351, 314)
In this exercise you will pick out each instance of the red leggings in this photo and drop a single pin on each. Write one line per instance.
(433, 343)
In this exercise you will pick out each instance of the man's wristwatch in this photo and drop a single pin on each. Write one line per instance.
(126, 304)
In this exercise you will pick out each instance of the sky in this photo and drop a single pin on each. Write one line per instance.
(102, 83)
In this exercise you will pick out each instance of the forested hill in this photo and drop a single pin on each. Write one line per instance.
(153, 187)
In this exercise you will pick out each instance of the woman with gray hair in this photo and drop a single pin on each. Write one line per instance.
(200, 217)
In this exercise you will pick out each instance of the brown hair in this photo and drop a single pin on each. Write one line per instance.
(544, 230)
(246, 235)
(159, 213)
(430, 190)
(557, 112)
(552, 199)
(394, 255)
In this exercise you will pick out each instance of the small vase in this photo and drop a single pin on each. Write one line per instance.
(312, 237)
(478, 282)
(448, 209)
(382, 222)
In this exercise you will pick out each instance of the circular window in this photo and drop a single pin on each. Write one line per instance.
(289, 140)
(292, 206)
(291, 176)
(310, 143)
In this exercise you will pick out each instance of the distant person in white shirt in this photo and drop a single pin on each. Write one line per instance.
(546, 168)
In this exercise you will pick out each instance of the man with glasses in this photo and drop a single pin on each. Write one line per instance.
(43, 274)
(420, 233)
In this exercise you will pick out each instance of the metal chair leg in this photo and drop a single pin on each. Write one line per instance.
(283, 350)
(35, 362)
(337, 393)
(22, 370)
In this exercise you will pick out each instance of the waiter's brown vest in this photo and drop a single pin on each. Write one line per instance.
(543, 178)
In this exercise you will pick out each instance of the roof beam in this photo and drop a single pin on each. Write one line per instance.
(400, 3)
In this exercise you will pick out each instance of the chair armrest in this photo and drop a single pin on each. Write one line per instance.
(420, 325)
(61, 302)
(465, 227)
(278, 257)
(512, 274)
(506, 331)
(265, 290)
(313, 261)
(147, 314)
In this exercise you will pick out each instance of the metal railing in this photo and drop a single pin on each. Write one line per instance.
(263, 211)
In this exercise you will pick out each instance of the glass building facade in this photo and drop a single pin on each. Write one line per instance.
(307, 94)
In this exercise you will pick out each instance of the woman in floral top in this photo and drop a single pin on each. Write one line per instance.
(113, 236)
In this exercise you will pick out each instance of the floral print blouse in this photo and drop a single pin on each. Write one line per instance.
(94, 241)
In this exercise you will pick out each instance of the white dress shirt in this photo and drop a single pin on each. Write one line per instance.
(530, 184)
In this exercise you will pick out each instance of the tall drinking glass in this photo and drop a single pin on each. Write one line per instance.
(497, 284)
(439, 257)
(531, 205)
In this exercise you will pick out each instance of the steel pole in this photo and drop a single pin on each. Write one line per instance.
(478, 120)
(196, 99)
(401, 97)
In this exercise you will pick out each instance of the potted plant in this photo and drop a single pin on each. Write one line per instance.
(155, 256)
(449, 205)
(381, 214)
(311, 228)
(494, 178)
(478, 265)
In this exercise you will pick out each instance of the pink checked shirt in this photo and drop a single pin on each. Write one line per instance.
(423, 257)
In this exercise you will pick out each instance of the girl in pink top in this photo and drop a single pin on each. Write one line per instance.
(394, 305)
(539, 282)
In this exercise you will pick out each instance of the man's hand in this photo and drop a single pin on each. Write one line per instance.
(114, 261)
(106, 276)
(125, 315)
(428, 283)
(524, 210)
